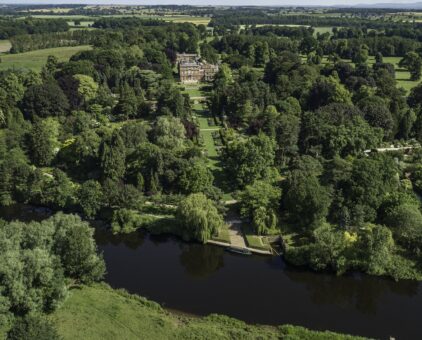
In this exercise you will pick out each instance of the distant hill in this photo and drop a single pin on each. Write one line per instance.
(414, 5)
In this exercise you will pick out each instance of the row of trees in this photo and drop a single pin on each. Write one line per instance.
(10, 27)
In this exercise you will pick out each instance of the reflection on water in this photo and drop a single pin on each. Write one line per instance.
(202, 279)
(205, 279)
(200, 261)
(357, 291)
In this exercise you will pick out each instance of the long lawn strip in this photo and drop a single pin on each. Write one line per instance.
(206, 131)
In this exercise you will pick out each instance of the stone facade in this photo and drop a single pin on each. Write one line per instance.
(192, 70)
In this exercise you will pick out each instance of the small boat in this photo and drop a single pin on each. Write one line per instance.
(237, 250)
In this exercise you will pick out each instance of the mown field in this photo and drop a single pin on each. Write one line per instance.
(197, 20)
(98, 312)
(5, 46)
(402, 76)
(35, 60)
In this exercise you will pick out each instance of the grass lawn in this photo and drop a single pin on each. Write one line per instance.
(256, 242)
(82, 23)
(223, 236)
(192, 90)
(5, 46)
(188, 18)
(101, 313)
(35, 60)
(402, 76)
(323, 30)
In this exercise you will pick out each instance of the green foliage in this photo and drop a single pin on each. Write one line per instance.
(250, 160)
(199, 218)
(196, 177)
(112, 156)
(259, 202)
(305, 200)
(90, 197)
(43, 141)
(33, 327)
(74, 244)
(37, 258)
(169, 132)
(413, 62)
(87, 87)
(45, 100)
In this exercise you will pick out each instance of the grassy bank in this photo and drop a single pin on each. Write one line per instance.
(35, 60)
(99, 312)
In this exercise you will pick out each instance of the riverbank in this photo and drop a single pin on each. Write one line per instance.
(99, 312)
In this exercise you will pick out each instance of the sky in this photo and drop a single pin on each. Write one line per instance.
(213, 2)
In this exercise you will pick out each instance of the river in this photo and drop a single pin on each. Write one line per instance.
(200, 280)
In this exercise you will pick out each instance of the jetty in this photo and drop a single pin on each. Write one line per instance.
(237, 241)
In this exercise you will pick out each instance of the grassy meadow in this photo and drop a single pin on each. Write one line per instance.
(35, 60)
(5, 46)
(101, 313)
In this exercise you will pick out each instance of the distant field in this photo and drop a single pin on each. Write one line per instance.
(323, 30)
(320, 30)
(82, 24)
(171, 18)
(186, 18)
(35, 60)
(402, 76)
(5, 46)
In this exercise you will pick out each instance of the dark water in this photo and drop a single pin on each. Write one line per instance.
(205, 279)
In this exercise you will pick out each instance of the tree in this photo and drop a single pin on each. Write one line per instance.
(87, 87)
(259, 202)
(43, 141)
(250, 160)
(90, 198)
(74, 244)
(361, 55)
(378, 245)
(328, 249)
(370, 181)
(112, 156)
(170, 101)
(196, 177)
(376, 113)
(405, 221)
(379, 59)
(45, 100)
(209, 53)
(305, 200)
(33, 327)
(57, 190)
(326, 91)
(199, 218)
(169, 132)
(32, 278)
(128, 104)
(413, 63)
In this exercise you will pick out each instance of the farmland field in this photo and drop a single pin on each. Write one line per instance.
(5, 46)
(34, 60)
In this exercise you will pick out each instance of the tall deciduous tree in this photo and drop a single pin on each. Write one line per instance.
(112, 156)
(413, 63)
(45, 100)
(199, 218)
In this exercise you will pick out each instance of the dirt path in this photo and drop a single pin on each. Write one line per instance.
(236, 236)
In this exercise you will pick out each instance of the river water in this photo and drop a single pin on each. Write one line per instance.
(200, 279)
